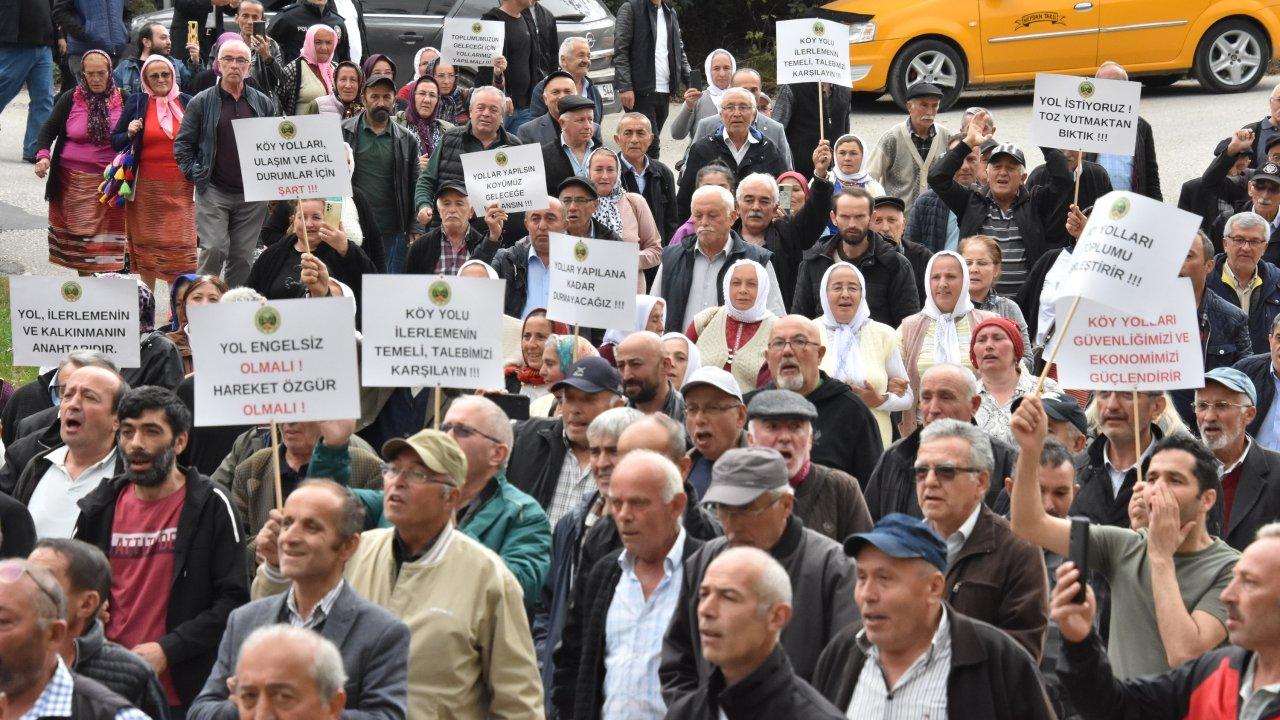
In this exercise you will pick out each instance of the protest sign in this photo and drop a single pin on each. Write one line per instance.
(1088, 114)
(1130, 250)
(470, 42)
(813, 51)
(51, 316)
(284, 361)
(593, 282)
(432, 330)
(1109, 351)
(513, 176)
(298, 156)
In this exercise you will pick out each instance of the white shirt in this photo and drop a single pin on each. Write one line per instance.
(661, 70)
(958, 538)
(921, 692)
(53, 502)
(740, 152)
(1117, 475)
(1253, 701)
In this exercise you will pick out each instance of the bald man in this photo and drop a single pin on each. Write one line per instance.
(644, 369)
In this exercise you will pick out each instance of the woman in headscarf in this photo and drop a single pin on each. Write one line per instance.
(983, 257)
(684, 357)
(454, 99)
(559, 352)
(861, 352)
(849, 155)
(734, 335)
(378, 64)
(719, 66)
(939, 333)
(996, 354)
(794, 185)
(421, 59)
(310, 75)
(348, 90)
(627, 214)
(525, 377)
(422, 117)
(160, 215)
(84, 235)
(203, 290)
(651, 315)
(294, 268)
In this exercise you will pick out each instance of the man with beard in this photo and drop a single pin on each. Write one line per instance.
(1249, 473)
(175, 546)
(34, 680)
(644, 376)
(891, 290)
(386, 166)
(903, 156)
(526, 266)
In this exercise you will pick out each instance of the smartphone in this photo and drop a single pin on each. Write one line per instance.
(333, 211)
(260, 28)
(784, 200)
(697, 79)
(1078, 553)
(193, 32)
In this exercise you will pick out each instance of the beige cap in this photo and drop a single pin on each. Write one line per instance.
(437, 450)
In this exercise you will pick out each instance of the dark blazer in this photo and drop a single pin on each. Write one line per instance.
(762, 156)
(991, 677)
(1094, 183)
(659, 192)
(375, 656)
(636, 47)
(1146, 171)
(1257, 500)
(28, 399)
(772, 690)
(543, 128)
(557, 165)
(1258, 368)
(1264, 300)
(17, 529)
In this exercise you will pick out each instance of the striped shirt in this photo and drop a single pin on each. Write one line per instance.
(1013, 269)
(572, 485)
(921, 692)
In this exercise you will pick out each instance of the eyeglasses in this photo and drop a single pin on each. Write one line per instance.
(465, 431)
(9, 574)
(733, 512)
(446, 76)
(413, 475)
(736, 108)
(164, 75)
(1219, 406)
(570, 201)
(233, 60)
(690, 410)
(799, 344)
(944, 473)
(1247, 242)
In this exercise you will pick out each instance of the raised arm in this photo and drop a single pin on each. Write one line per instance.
(1030, 425)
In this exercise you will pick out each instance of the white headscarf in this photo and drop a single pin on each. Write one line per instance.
(418, 56)
(695, 356)
(712, 90)
(493, 274)
(860, 178)
(844, 338)
(946, 341)
(644, 306)
(756, 312)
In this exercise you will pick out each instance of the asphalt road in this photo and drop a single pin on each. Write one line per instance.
(1186, 120)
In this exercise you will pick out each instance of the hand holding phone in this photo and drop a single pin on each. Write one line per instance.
(1078, 553)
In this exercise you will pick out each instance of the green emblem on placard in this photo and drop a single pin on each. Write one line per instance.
(1086, 89)
(476, 28)
(440, 292)
(71, 291)
(580, 251)
(819, 29)
(1120, 208)
(267, 320)
(288, 130)
(501, 159)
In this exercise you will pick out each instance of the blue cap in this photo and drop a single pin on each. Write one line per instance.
(902, 536)
(592, 374)
(1233, 379)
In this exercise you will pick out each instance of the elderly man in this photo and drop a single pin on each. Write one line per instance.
(579, 197)
(1241, 277)
(736, 144)
(575, 64)
(915, 655)
(285, 671)
(205, 149)
(1249, 473)
(715, 417)
(607, 662)
(1163, 612)
(845, 435)
(1016, 216)
(691, 276)
(36, 682)
(946, 392)
(1067, 422)
(1137, 171)
(992, 575)
(84, 575)
(1237, 680)
(446, 248)
(749, 79)
(569, 153)
(645, 175)
(744, 605)
(754, 501)
(1257, 191)
(888, 218)
(482, 132)
(526, 266)
(891, 292)
(308, 546)
(422, 569)
(930, 222)
(1106, 480)
(644, 376)
(903, 156)
(545, 125)
(827, 500)
(1266, 130)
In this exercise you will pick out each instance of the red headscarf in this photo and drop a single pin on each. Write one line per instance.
(1009, 327)
(323, 69)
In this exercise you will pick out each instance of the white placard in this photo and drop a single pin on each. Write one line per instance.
(297, 156)
(593, 282)
(512, 176)
(1088, 114)
(1104, 350)
(470, 42)
(284, 361)
(51, 316)
(813, 50)
(432, 330)
(1130, 250)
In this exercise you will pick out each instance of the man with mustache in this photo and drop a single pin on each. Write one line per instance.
(386, 167)
(644, 376)
(545, 125)
(647, 176)
(175, 546)
(904, 154)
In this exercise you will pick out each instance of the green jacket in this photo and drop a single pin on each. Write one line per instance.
(510, 523)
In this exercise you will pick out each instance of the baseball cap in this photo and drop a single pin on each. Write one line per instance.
(569, 103)
(1008, 149)
(923, 89)
(1062, 408)
(985, 148)
(1233, 379)
(454, 185)
(1270, 172)
(781, 405)
(743, 474)
(593, 375)
(581, 182)
(1221, 147)
(718, 378)
(381, 78)
(902, 536)
(437, 450)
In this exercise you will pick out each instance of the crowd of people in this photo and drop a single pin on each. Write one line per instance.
(817, 477)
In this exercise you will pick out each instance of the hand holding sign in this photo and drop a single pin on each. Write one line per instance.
(299, 156)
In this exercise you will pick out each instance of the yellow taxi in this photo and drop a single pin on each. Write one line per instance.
(1225, 44)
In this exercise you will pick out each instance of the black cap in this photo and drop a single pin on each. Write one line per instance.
(557, 74)
(1062, 408)
(1008, 149)
(781, 405)
(985, 148)
(923, 89)
(888, 200)
(380, 78)
(593, 375)
(580, 182)
(455, 185)
(1221, 147)
(569, 103)
(1270, 172)
(902, 536)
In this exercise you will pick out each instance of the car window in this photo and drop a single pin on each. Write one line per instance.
(395, 7)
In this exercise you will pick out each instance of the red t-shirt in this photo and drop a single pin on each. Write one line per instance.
(144, 534)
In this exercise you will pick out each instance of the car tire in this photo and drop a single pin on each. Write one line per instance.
(1232, 57)
(927, 61)
(1159, 81)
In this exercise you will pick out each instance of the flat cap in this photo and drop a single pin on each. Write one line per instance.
(781, 405)
(743, 474)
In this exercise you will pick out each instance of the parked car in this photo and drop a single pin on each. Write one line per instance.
(398, 28)
(1225, 44)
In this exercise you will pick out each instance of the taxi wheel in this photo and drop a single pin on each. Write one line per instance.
(1232, 57)
(928, 61)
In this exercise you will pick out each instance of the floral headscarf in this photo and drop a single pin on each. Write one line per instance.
(427, 128)
(607, 208)
(99, 104)
(168, 110)
(349, 109)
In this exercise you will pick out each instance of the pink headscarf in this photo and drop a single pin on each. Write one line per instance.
(325, 69)
(168, 110)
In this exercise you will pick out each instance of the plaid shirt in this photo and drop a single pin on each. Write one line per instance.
(451, 262)
(573, 484)
(55, 701)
